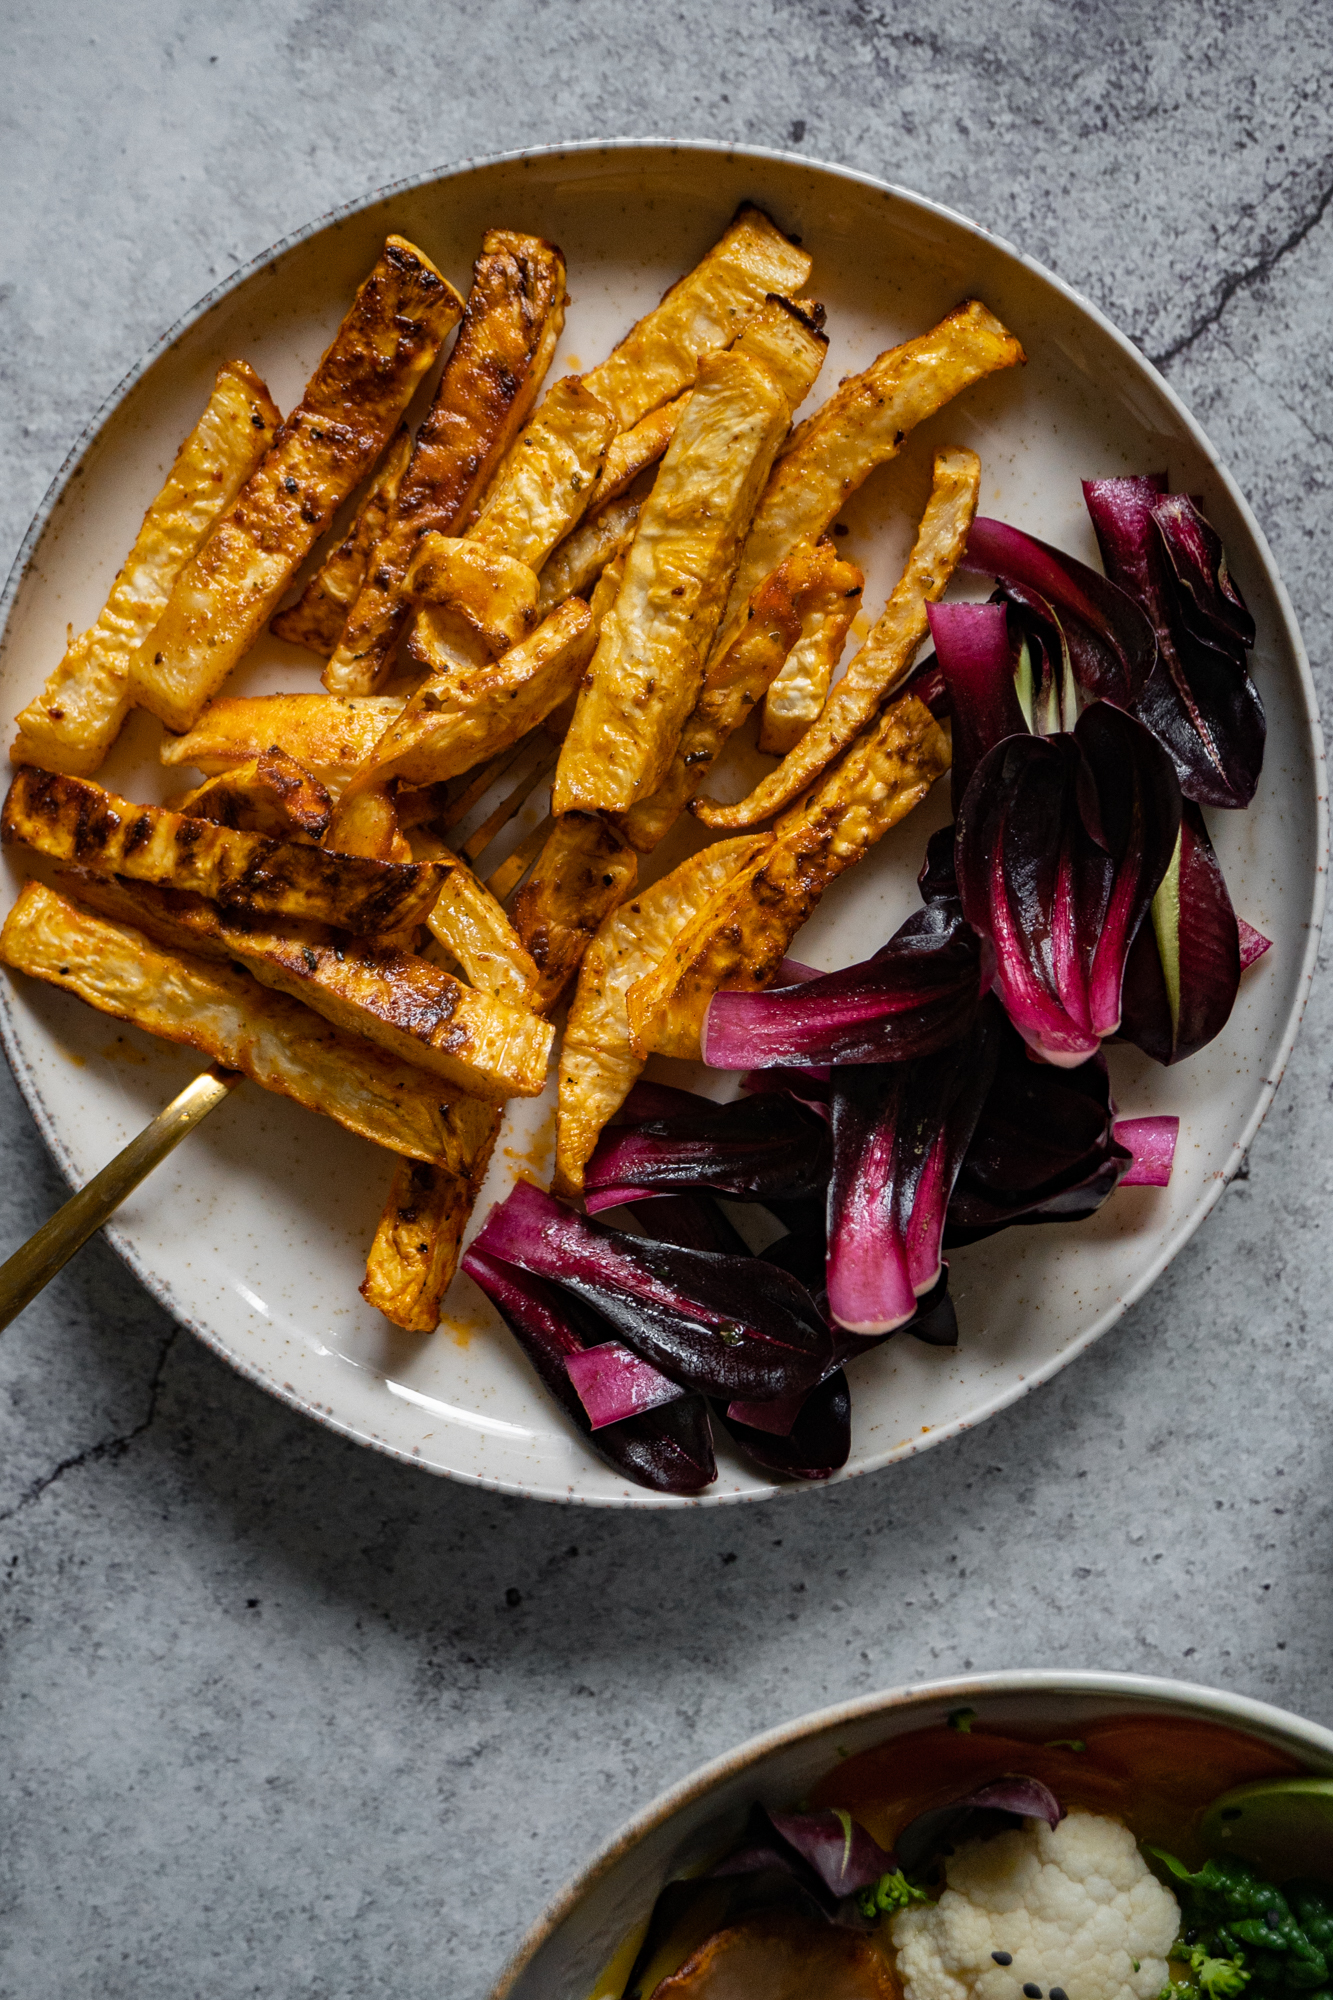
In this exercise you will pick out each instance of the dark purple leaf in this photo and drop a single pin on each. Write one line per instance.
(728, 1326)
(1151, 1143)
(926, 683)
(1044, 1148)
(813, 1443)
(1184, 966)
(751, 1149)
(1110, 641)
(669, 1449)
(840, 1851)
(900, 1133)
(1253, 944)
(1061, 844)
(917, 994)
(1199, 701)
(991, 1809)
(613, 1383)
(807, 1086)
(694, 1221)
(655, 1100)
(973, 649)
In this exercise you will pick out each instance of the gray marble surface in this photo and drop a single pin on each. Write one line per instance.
(281, 1717)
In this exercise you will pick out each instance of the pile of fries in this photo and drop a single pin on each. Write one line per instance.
(596, 588)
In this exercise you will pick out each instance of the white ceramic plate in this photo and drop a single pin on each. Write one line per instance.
(253, 1234)
(567, 1949)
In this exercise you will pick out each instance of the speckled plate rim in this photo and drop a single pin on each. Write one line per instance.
(1186, 1697)
(27, 1081)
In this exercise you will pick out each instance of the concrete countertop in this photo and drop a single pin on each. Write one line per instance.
(282, 1717)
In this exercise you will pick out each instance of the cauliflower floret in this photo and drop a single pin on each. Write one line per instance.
(1077, 1910)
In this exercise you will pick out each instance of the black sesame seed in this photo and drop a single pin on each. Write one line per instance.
(1031, 1991)
(1058, 1993)
(1003, 1957)
(1273, 1918)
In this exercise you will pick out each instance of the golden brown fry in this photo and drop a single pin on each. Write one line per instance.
(787, 337)
(462, 715)
(415, 1253)
(809, 577)
(328, 738)
(317, 618)
(704, 311)
(542, 488)
(515, 312)
(480, 1045)
(583, 871)
(800, 690)
(72, 819)
(271, 794)
(76, 717)
(583, 556)
(233, 1021)
(739, 941)
(862, 425)
(472, 927)
(632, 452)
(885, 660)
(224, 597)
(491, 595)
(598, 1064)
(647, 670)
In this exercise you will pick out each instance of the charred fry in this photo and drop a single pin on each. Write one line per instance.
(271, 794)
(415, 1253)
(515, 312)
(76, 718)
(598, 1064)
(223, 1013)
(71, 819)
(317, 618)
(328, 738)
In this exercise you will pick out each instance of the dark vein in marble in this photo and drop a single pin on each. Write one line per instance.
(111, 1447)
(1240, 280)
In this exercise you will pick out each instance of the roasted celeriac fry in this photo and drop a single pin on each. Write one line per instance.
(542, 488)
(515, 312)
(631, 452)
(461, 715)
(787, 336)
(472, 927)
(271, 794)
(800, 690)
(598, 1064)
(226, 594)
(317, 618)
(647, 670)
(480, 1045)
(327, 737)
(862, 425)
(415, 1253)
(72, 819)
(809, 578)
(76, 717)
(233, 1021)
(583, 871)
(885, 660)
(703, 311)
(583, 556)
(739, 941)
(490, 594)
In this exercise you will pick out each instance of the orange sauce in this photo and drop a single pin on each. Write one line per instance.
(1156, 1773)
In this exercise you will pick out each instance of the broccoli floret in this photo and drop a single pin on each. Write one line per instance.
(891, 1892)
(1239, 1932)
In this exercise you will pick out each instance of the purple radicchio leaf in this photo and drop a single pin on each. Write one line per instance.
(808, 1086)
(1184, 966)
(991, 1809)
(975, 657)
(806, 1439)
(751, 1149)
(1044, 1148)
(837, 1847)
(917, 994)
(669, 1449)
(614, 1383)
(1061, 844)
(1111, 648)
(1152, 1144)
(1253, 944)
(900, 1133)
(694, 1221)
(727, 1326)
(1200, 700)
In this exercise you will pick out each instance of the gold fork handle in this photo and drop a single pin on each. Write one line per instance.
(25, 1274)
